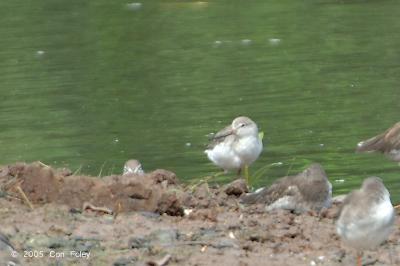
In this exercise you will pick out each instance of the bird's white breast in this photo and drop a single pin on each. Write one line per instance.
(248, 149)
(384, 212)
(224, 156)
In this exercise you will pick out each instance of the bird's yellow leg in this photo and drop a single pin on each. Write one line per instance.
(397, 206)
(246, 174)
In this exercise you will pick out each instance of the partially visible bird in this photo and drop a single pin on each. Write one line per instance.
(366, 217)
(387, 143)
(309, 190)
(236, 146)
(133, 167)
(8, 254)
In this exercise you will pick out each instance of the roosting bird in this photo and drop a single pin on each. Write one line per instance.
(366, 217)
(236, 146)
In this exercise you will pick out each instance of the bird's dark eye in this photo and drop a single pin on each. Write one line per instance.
(242, 125)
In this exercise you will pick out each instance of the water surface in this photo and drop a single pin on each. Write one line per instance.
(90, 85)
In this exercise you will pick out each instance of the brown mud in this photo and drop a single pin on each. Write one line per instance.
(52, 217)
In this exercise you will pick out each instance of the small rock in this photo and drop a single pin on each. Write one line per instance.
(160, 175)
(205, 234)
(202, 191)
(64, 171)
(8, 255)
(261, 237)
(339, 255)
(204, 214)
(58, 242)
(75, 210)
(225, 243)
(164, 237)
(4, 171)
(151, 215)
(37, 241)
(236, 188)
(85, 245)
(138, 242)
(187, 212)
(125, 261)
(5, 242)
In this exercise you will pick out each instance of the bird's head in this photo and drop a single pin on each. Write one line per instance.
(243, 126)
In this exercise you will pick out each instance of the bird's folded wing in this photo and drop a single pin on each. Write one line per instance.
(221, 136)
(281, 188)
(392, 137)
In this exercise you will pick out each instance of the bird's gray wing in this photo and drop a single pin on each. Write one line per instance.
(392, 137)
(220, 136)
(279, 189)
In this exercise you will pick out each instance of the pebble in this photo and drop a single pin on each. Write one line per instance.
(236, 188)
(225, 243)
(125, 261)
(85, 245)
(187, 212)
(138, 242)
(58, 242)
(151, 215)
(164, 237)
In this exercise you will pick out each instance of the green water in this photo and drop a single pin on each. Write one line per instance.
(90, 84)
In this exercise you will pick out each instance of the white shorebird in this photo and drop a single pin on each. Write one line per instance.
(133, 167)
(366, 217)
(236, 146)
(387, 143)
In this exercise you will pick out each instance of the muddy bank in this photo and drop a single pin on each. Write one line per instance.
(155, 192)
(142, 221)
